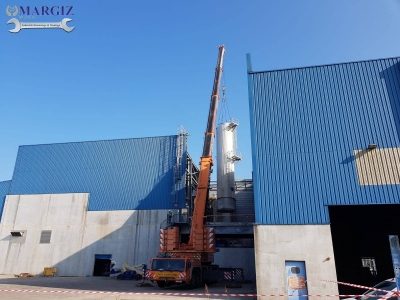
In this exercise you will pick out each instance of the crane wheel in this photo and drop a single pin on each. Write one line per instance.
(161, 284)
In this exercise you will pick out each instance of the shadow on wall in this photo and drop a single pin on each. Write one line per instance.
(131, 237)
(354, 157)
(390, 91)
(134, 242)
(391, 76)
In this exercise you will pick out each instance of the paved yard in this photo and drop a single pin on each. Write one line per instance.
(67, 287)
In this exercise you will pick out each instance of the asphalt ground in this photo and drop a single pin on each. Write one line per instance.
(84, 287)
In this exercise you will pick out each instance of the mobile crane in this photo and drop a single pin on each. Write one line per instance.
(191, 263)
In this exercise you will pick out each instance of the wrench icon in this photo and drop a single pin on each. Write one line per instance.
(45, 25)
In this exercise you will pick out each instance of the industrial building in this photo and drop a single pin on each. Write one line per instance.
(325, 147)
(77, 206)
(322, 201)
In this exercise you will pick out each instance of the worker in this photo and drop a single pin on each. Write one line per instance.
(169, 217)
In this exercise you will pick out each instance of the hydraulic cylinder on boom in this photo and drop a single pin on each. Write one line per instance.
(191, 263)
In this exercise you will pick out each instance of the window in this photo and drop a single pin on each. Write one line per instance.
(45, 237)
(169, 264)
(369, 262)
(17, 236)
(17, 233)
(295, 270)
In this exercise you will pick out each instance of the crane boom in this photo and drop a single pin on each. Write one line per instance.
(212, 114)
(191, 262)
(196, 233)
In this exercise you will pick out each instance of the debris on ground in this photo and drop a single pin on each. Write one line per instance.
(49, 272)
(23, 275)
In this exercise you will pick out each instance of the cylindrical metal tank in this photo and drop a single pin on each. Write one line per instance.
(226, 154)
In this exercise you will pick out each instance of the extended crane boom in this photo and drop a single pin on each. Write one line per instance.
(212, 114)
(196, 232)
(191, 262)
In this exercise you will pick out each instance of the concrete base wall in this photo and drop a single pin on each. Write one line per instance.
(77, 234)
(237, 258)
(275, 244)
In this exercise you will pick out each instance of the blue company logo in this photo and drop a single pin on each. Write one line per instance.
(34, 11)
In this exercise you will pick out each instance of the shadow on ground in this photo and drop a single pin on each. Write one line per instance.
(107, 284)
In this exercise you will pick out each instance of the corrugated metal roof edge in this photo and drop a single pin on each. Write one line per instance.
(9, 187)
(325, 65)
(125, 139)
(288, 224)
(57, 193)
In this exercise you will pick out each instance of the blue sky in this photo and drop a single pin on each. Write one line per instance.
(142, 68)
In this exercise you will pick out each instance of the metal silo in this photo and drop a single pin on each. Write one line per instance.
(226, 157)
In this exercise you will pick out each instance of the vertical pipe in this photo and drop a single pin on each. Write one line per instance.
(225, 168)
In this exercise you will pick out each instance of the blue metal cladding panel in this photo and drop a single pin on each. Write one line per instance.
(118, 174)
(305, 125)
(4, 188)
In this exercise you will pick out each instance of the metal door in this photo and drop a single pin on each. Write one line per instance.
(296, 280)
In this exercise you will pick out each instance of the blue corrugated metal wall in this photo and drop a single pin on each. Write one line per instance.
(305, 124)
(4, 188)
(118, 174)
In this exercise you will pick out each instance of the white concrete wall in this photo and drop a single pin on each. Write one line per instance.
(130, 236)
(275, 244)
(63, 214)
(77, 235)
(237, 258)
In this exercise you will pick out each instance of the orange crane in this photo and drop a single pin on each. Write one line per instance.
(191, 263)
